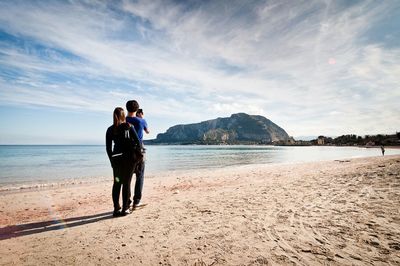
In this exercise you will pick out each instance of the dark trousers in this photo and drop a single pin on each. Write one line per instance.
(122, 172)
(139, 183)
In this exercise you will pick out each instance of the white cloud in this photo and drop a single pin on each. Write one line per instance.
(271, 58)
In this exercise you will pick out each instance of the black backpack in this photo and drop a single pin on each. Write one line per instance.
(130, 144)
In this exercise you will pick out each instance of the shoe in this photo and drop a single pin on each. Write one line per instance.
(125, 212)
(117, 213)
(138, 205)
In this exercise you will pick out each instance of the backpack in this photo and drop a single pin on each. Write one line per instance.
(130, 144)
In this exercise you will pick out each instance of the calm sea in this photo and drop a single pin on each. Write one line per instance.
(22, 165)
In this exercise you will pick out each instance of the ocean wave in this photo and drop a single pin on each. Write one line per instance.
(56, 184)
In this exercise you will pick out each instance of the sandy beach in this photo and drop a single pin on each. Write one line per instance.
(321, 213)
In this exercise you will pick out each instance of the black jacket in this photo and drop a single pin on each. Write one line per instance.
(123, 144)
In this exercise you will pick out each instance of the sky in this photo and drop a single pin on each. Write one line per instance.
(312, 67)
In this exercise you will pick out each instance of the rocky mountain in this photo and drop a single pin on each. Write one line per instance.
(239, 128)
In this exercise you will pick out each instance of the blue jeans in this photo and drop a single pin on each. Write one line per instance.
(139, 183)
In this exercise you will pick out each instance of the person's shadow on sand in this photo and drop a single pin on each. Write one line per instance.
(39, 227)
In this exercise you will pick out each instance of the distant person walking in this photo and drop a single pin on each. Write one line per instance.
(135, 117)
(123, 158)
(383, 150)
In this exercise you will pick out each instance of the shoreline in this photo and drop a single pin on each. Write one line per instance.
(70, 182)
(341, 212)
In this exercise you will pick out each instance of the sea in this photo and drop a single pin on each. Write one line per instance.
(27, 166)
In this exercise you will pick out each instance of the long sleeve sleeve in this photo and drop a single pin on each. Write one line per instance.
(109, 142)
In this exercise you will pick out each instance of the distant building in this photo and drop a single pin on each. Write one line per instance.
(291, 141)
(321, 140)
(370, 144)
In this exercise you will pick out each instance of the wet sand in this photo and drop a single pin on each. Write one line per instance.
(335, 212)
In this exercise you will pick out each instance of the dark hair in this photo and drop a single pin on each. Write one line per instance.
(139, 111)
(118, 117)
(132, 106)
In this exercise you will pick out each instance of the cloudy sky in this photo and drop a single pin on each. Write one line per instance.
(312, 67)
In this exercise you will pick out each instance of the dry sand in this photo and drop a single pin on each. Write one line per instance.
(334, 213)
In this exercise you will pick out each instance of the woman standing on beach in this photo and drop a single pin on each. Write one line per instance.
(123, 157)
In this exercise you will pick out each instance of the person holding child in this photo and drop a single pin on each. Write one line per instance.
(135, 117)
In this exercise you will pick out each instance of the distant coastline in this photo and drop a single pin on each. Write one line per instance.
(245, 129)
(368, 141)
